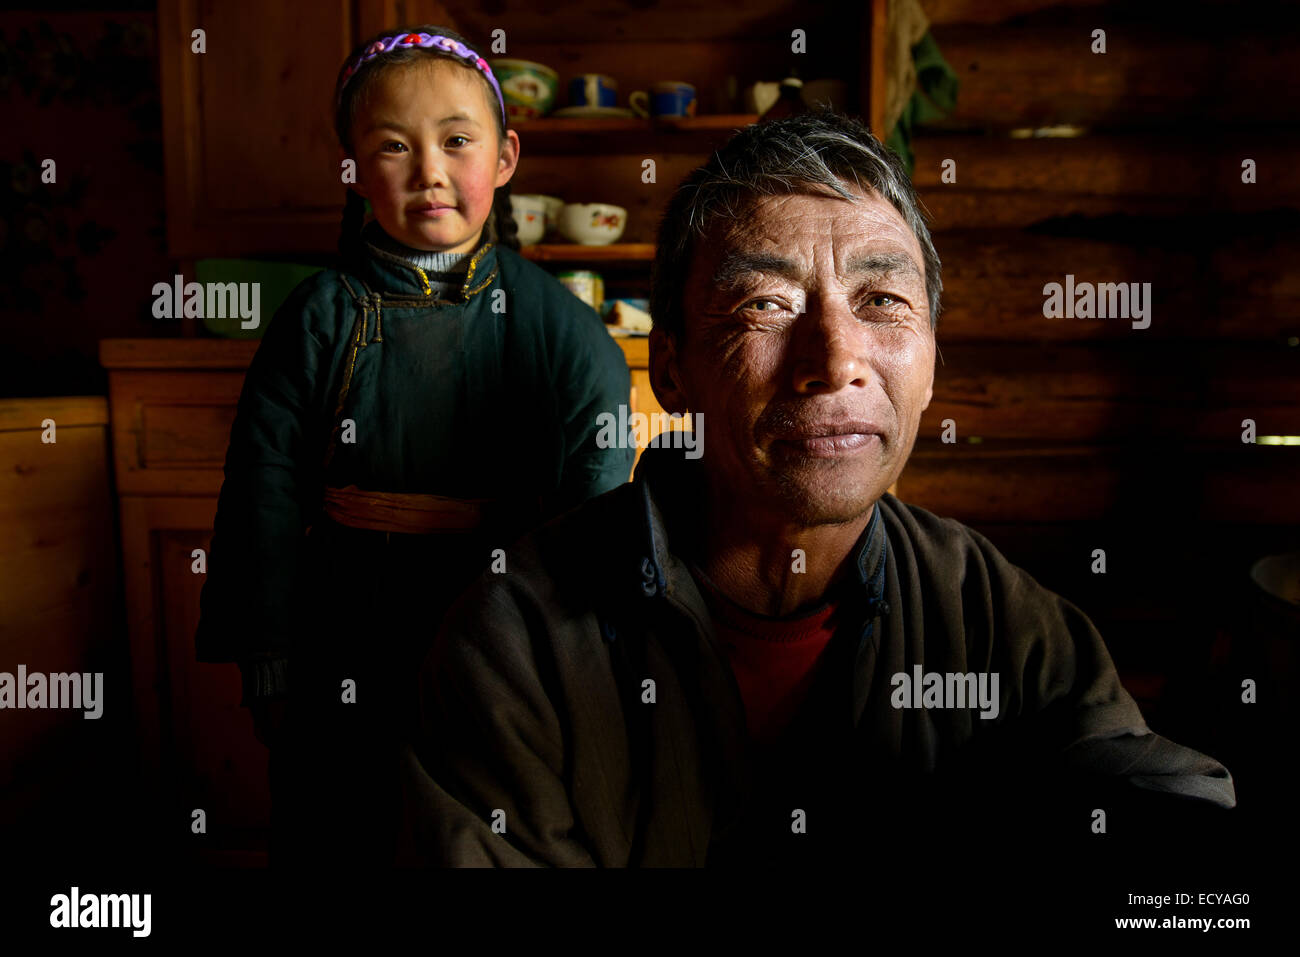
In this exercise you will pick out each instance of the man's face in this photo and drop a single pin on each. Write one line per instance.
(808, 350)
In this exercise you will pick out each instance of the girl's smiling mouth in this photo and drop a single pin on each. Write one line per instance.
(432, 210)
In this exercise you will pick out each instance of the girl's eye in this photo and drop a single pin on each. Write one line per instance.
(453, 141)
(392, 146)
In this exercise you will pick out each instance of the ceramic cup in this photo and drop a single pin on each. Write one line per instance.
(593, 89)
(530, 217)
(665, 98)
(592, 224)
(527, 87)
(759, 97)
(553, 205)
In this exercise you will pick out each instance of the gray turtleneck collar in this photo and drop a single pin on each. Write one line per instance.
(450, 264)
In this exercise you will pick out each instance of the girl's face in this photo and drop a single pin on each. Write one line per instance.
(428, 155)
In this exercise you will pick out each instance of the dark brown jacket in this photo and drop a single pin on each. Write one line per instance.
(537, 744)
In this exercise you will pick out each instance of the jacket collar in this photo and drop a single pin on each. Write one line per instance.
(394, 277)
(670, 489)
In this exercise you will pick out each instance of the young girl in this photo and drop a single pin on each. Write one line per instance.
(405, 415)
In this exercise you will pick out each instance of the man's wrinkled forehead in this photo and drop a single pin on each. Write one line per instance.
(758, 238)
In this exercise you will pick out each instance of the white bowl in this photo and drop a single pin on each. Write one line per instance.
(592, 224)
(530, 217)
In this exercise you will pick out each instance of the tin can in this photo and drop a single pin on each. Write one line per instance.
(586, 285)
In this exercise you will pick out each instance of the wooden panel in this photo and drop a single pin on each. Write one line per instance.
(224, 766)
(1156, 391)
(58, 565)
(1152, 75)
(572, 253)
(168, 432)
(1010, 482)
(1153, 569)
(690, 134)
(196, 745)
(1005, 182)
(231, 116)
(66, 411)
(185, 436)
(141, 518)
(376, 15)
(528, 23)
(636, 349)
(872, 75)
(1237, 288)
(997, 11)
(176, 353)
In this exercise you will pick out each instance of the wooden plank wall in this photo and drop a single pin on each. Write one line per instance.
(60, 597)
(1078, 434)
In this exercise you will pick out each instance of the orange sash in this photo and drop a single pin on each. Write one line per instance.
(405, 512)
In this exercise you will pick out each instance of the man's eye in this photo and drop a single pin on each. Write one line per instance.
(754, 304)
(874, 300)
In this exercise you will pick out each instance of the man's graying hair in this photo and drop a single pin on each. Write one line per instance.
(812, 152)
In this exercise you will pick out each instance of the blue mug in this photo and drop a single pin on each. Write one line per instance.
(592, 89)
(666, 98)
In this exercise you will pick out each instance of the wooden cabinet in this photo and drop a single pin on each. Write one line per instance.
(172, 403)
(252, 163)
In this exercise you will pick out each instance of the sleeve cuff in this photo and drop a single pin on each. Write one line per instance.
(263, 678)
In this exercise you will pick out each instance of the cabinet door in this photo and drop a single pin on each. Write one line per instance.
(195, 740)
(248, 134)
(248, 129)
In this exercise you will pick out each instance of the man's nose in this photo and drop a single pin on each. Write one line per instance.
(828, 347)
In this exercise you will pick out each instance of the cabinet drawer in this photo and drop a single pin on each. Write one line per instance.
(171, 429)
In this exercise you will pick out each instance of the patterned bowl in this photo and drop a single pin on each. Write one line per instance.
(592, 224)
(528, 87)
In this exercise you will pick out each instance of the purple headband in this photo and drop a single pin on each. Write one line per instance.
(425, 40)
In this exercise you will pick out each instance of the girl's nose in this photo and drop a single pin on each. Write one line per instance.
(431, 172)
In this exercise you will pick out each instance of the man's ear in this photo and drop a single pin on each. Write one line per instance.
(929, 387)
(665, 372)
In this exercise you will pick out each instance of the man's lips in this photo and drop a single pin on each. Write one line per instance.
(832, 438)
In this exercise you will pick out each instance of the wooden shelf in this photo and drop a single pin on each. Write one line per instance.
(687, 134)
(571, 252)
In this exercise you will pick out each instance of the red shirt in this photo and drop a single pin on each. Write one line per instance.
(774, 659)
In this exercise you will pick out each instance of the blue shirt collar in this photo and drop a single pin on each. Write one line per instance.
(669, 486)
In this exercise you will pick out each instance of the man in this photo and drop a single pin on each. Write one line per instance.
(759, 655)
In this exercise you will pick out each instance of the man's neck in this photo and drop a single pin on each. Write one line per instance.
(753, 560)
